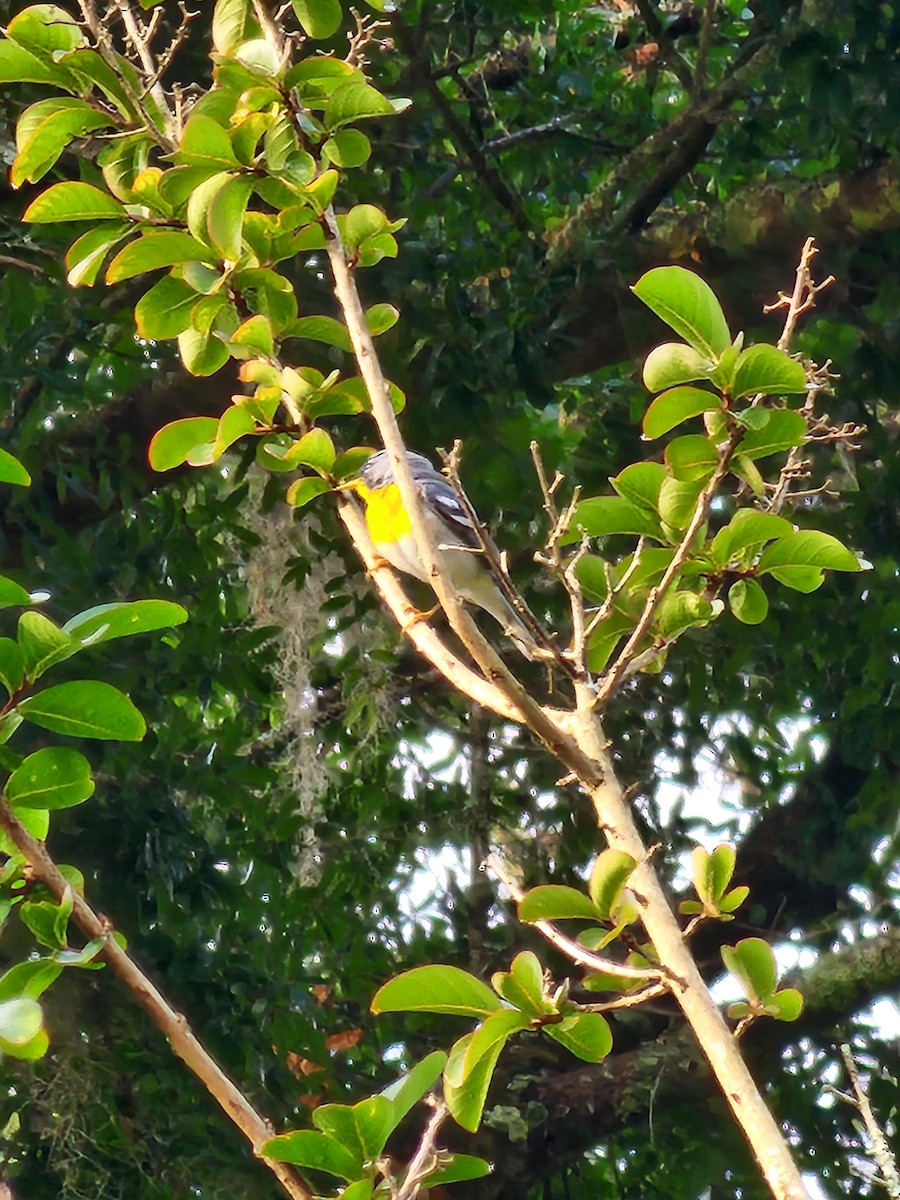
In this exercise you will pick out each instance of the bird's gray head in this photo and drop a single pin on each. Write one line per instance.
(377, 472)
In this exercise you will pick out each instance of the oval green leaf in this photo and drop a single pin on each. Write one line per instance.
(436, 989)
(105, 622)
(172, 445)
(309, 1148)
(768, 371)
(585, 1035)
(12, 471)
(748, 601)
(675, 406)
(52, 778)
(687, 304)
(85, 708)
(554, 902)
(673, 363)
(73, 202)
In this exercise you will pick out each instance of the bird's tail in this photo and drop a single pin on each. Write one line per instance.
(487, 595)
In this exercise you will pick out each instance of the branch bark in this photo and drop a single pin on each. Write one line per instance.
(171, 1024)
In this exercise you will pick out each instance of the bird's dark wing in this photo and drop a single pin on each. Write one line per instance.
(441, 498)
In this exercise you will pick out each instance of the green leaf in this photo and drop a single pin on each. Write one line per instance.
(235, 422)
(523, 985)
(43, 132)
(380, 318)
(362, 1128)
(259, 56)
(688, 305)
(29, 1051)
(672, 363)
(678, 501)
(29, 979)
(720, 868)
(309, 1148)
(255, 334)
(321, 329)
(12, 471)
(609, 875)
(361, 222)
(492, 1034)
(769, 371)
(786, 1005)
(85, 708)
(12, 593)
(753, 963)
(679, 611)
(554, 902)
(165, 311)
(45, 29)
(692, 457)
(347, 148)
(677, 405)
(606, 515)
(106, 622)
(12, 666)
(202, 354)
(355, 102)
(303, 490)
(42, 643)
(173, 444)
(319, 18)
(18, 65)
(47, 921)
(748, 601)
(808, 548)
(87, 254)
(465, 1094)
(640, 483)
(205, 144)
(457, 1169)
(605, 638)
(734, 899)
(315, 449)
(158, 248)
(225, 217)
(232, 23)
(748, 529)
(52, 778)
(73, 202)
(20, 1021)
(585, 1035)
(436, 989)
(799, 579)
(747, 470)
(783, 430)
(406, 1092)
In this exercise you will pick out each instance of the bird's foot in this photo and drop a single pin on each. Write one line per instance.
(413, 616)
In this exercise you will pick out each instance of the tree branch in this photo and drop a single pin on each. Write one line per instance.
(171, 1024)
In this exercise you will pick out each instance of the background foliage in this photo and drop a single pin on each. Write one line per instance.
(303, 769)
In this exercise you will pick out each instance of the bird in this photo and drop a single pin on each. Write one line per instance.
(460, 553)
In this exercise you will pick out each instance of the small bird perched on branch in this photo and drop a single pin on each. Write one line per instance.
(460, 553)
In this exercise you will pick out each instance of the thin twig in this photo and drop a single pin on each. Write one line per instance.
(632, 1000)
(425, 1158)
(614, 592)
(801, 300)
(171, 1023)
(878, 1144)
(568, 946)
(362, 37)
(139, 37)
(616, 672)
